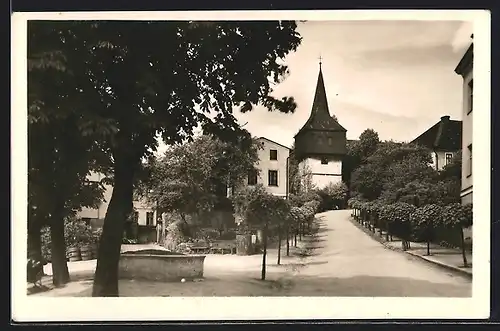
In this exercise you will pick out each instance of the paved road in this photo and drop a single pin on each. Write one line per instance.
(347, 262)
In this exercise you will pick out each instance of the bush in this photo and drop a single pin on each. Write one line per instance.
(424, 220)
(77, 233)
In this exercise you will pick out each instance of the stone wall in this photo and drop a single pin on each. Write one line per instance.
(160, 267)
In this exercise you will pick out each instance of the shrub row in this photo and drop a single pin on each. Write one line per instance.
(409, 222)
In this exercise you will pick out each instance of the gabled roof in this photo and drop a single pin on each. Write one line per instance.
(320, 118)
(274, 142)
(444, 135)
(465, 64)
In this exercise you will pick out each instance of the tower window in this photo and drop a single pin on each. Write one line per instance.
(324, 160)
(273, 154)
(273, 178)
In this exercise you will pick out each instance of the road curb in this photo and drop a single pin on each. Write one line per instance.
(443, 265)
(374, 236)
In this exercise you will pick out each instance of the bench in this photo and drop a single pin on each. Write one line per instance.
(199, 247)
(223, 247)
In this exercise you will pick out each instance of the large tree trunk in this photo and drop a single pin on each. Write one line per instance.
(264, 255)
(279, 245)
(462, 241)
(120, 206)
(60, 273)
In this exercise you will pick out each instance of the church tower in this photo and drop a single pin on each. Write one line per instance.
(320, 145)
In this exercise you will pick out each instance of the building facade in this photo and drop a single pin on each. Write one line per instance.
(144, 215)
(320, 145)
(444, 139)
(465, 69)
(272, 167)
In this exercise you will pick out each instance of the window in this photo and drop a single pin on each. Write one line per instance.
(470, 159)
(149, 218)
(136, 216)
(273, 178)
(273, 154)
(470, 98)
(252, 177)
(324, 160)
(448, 158)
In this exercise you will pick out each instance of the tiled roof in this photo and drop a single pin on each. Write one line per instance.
(444, 135)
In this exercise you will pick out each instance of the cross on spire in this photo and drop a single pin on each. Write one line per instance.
(320, 58)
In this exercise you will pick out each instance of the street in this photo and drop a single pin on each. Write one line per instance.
(347, 262)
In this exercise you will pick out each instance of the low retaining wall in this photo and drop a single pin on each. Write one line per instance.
(158, 266)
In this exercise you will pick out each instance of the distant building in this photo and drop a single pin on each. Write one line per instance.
(320, 145)
(464, 69)
(272, 167)
(444, 139)
(144, 216)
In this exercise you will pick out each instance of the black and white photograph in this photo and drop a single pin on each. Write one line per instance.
(250, 165)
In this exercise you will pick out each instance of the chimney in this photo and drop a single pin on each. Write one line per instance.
(445, 118)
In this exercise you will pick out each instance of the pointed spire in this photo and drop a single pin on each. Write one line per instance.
(320, 118)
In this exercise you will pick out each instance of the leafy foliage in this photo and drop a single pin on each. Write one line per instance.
(424, 220)
(456, 215)
(192, 177)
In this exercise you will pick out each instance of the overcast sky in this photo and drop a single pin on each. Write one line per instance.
(396, 77)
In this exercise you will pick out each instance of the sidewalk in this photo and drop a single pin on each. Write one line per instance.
(449, 258)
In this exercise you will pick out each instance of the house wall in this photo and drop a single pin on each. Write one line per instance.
(96, 215)
(439, 159)
(466, 141)
(322, 174)
(265, 164)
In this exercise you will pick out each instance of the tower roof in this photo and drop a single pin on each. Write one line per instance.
(320, 118)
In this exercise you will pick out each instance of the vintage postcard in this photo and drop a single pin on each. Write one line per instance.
(250, 165)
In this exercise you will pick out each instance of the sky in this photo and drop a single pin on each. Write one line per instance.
(396, 77)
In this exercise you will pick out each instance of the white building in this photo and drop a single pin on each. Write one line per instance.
(272, 165)
(144, 215)
(465, 70)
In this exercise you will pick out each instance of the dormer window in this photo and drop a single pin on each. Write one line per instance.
(324, 160)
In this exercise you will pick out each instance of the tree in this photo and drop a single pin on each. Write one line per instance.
(358, 151)
(189, 177)
(132, 90)
(424, 220)
(259, 209)
(59, 161)
(333, 194)
(390, 168)
(457, 217)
